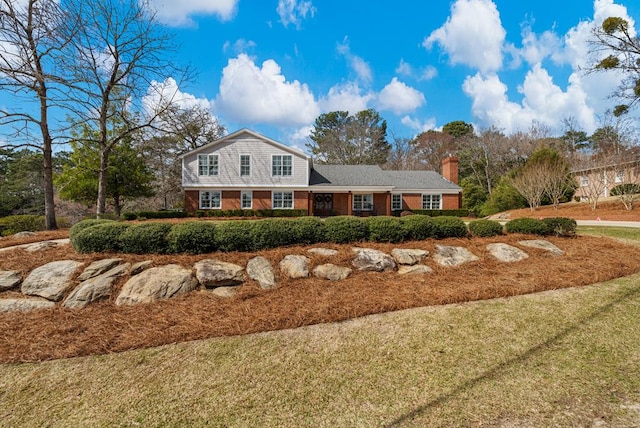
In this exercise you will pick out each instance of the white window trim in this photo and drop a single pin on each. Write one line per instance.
(250, 193)
(210, 192)
(281, 166)
(240, 163)
(209, 162)
(273, 197)
(362, 208)
(432, 194)
(396, 194)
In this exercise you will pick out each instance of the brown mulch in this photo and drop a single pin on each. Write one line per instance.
(104, 328)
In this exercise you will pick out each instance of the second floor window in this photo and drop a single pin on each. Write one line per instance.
(282, 165)
(245, 165)
(207, 164)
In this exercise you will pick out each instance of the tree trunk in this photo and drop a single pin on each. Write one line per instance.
(102, 184)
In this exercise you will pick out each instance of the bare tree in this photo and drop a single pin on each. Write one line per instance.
(530, 182)
(32, 37)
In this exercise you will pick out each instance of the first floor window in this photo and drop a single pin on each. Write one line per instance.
(431, 202)
(246, 200)
(207, 164)
(210, 200)
(282, 200)
(396, 202)
(363, 202)
(584, 181)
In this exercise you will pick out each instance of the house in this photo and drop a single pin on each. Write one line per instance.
(599, 179)
(246, 170)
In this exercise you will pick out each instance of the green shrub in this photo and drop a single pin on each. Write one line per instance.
(21, 223)
(129, 216)
(561, 226)
(234, 235)
(76, 228)
(485, 228)
(99, 237)
(625, 189)
(162, 214)
(346, 229)
(450, 227)
(527, 225)
(418, 227)
(309, 230)
(147, 238)
(193, 237)
(443, 213)
(386, 229)
(272, 233)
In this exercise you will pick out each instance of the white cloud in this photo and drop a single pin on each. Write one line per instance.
(180, 12)
(250, 94)
(428, 73)
(359, 66)
(473, 35)
(168, 90)
(417, 125)
(294, 11)
(239, 46)
(346, 97)
(535, 48)
(399, 98)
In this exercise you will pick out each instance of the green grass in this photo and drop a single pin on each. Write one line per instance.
(563, 358)
(624, 233)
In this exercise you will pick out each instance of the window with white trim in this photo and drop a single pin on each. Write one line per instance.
(246, 200)
(282, 165)
(207, 164)
(431, 202)
(619, 178)
(584, 180)
(396, 201)
(210, 200)
(363, 202)
(245, 165)
(282, 200)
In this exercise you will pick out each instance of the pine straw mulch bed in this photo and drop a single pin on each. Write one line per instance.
(103, 328)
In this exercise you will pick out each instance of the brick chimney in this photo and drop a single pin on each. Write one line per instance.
(450, 169)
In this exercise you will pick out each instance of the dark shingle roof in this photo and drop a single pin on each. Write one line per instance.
(416, 180)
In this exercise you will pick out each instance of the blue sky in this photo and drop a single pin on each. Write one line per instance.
(275, 65)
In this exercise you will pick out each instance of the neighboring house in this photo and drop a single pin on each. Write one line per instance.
(599, 180)
(246, 170)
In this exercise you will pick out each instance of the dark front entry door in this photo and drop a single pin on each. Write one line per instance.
(323, 203)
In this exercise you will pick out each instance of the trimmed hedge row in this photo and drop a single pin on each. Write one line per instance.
(251, 213)
(436, 213)
(198, 237)
(143, 215)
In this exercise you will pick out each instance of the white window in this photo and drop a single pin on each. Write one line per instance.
(207, 164)
(246, 200)
(210, 200)
(619, 177)
(245, 165)
(584, 181)
(282, 200)
(282, 165)
(363, 202)
(396, 201)
(431, 202)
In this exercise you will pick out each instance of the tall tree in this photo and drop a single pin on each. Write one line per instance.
(338, 138)
(33, 34)
(458, 129)
(21, 182)
(432, 147)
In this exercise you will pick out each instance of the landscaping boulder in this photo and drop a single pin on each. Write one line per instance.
(98, 268)
(325, 252)
(507, 253)
(24, 305)
(453, 256)
(139, 267)
(51, 281)
(259, 269)
(226, 292)
(294, 266)
(404, 256)
(156, 284)
(542, 244)
(96, 288)
(215, 273)
(414, 269)
(9, 279)
(368, 259)
(332, 272)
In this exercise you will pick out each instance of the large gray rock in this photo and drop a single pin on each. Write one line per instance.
(9, 279)
(414, 269)
(98, 268)
(368, 259)
(332, 272)
(51, 281)
(259, 269)
(325, 252)
(140, 266)
(214, 273)
(507, 253)
(225, 292)
(453, 256)
(542, 244)
(24, 305)
(406, 256)
(96, 288)
(294, 266)
(155, 284)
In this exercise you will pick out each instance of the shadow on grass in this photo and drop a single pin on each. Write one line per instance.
(634, 292)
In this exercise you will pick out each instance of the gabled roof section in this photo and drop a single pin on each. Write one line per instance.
(419, 180)
(253, 134)
(347, 175)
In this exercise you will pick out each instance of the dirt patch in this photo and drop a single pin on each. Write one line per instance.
(105, 328)
(609, 209)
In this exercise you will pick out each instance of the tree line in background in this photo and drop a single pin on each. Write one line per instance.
(99, 63)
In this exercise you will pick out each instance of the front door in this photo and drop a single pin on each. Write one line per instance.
(323, 204)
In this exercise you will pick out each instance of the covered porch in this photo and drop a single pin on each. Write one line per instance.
(325, 203)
